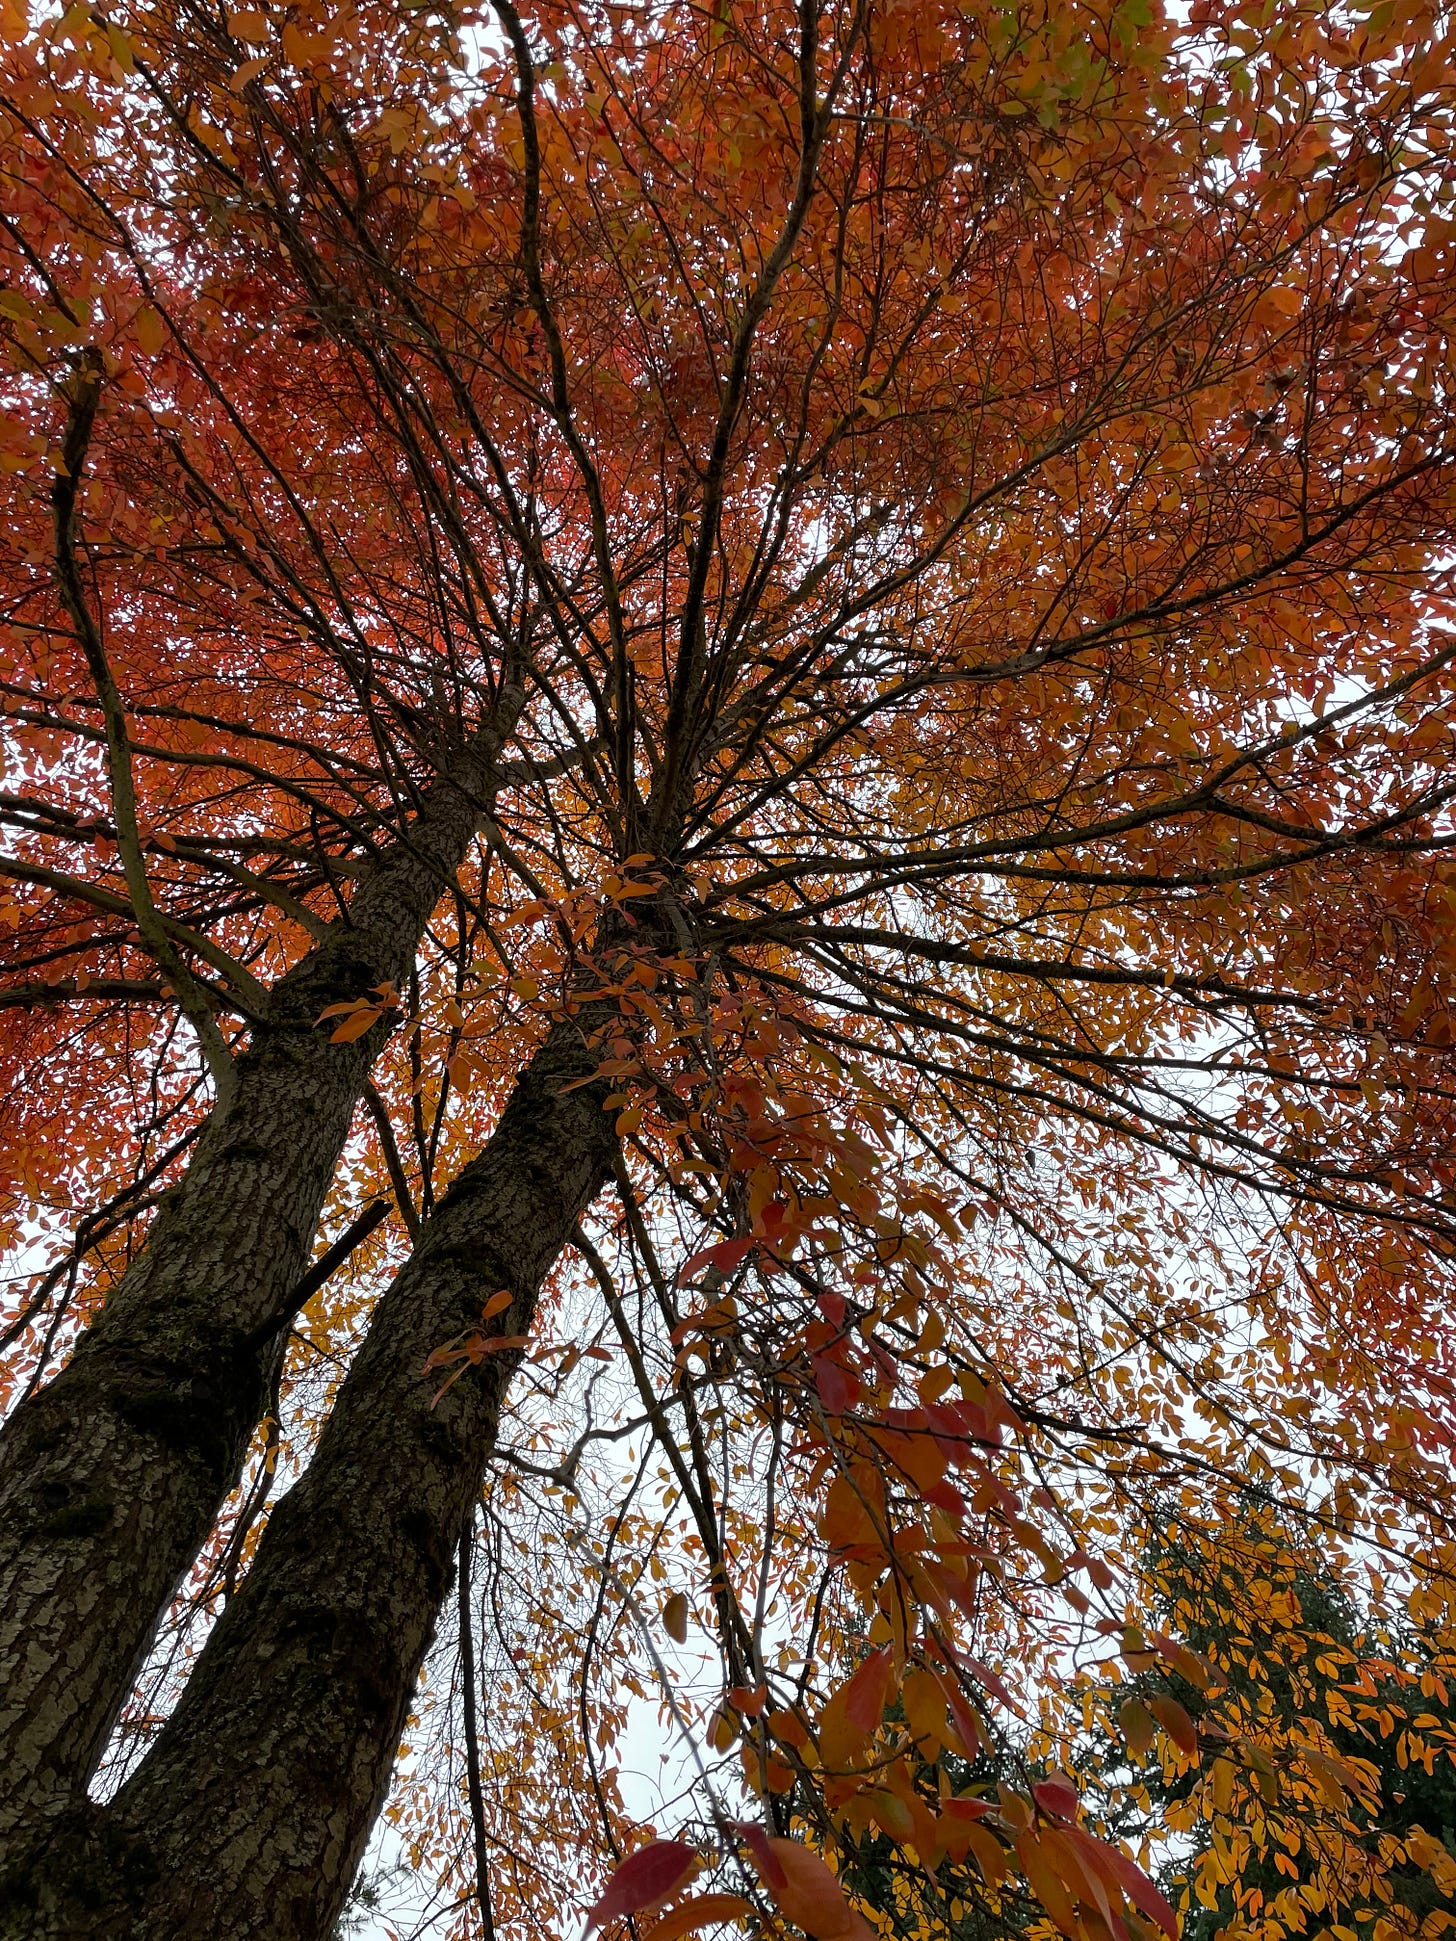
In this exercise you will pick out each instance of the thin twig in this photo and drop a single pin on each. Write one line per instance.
(472, 1739)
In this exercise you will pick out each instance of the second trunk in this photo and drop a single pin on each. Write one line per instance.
(249, 1815)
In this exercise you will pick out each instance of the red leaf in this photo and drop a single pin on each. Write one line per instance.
(962, 1717)
(725, 1256)
(837, 1389)
(1175, 1722)
(988, 1681)
(646, 1876)
(1088, 1885)
(945, 1496)
(1058, 1797)
(770, 1872)
(968, 1809)
(831, 1306)
(955, 1588)
(1124, 1874)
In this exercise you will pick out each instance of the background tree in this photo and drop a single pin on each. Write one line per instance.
(728, 736)
(1292, 1650)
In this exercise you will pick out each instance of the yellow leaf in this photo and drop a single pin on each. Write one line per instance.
(151, 332)
(924, 1704)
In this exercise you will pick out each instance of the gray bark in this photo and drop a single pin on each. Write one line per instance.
(112, 1475)
(249, 1815)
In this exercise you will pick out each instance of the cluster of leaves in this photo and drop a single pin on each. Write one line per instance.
(983, 793)
(1330, 1788)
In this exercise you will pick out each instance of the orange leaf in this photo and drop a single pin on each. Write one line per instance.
(1038, 1863)
(1118, 1871)
(868, 1690)
(803, 1888)
(356, 1025)
(892, 1815)
(989, 1852)
(702, 1911)
(847, 1519)
(151, 332)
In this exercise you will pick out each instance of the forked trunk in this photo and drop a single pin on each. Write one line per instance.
(249, 1815)
(112, 1475)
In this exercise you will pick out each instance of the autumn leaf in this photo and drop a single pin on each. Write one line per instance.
(1056, 1796)
(702, 1911)
(725, 1255)
(1139, 1727)
(645, 1877)
(1117, 1870)
(360, 1019)
(1175, 1722)
(804, 1889)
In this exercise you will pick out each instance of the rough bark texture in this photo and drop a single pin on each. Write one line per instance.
(111, 1476)
(249, 1815)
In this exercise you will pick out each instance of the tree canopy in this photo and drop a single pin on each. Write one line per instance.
(726, 943)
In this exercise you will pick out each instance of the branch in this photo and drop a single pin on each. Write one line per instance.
(472, 1733)
(252, 997)
(69, 990)
(379, 1112)
(621, 685)
(85, 394)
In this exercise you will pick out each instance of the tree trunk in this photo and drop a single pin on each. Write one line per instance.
(112, 1475)
(249, 1815)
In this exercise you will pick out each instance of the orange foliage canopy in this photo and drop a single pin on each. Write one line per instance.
(946, 511)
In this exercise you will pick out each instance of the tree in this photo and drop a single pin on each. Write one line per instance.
(1291, 1649)
(726, 729)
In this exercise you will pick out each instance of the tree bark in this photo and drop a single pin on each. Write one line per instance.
(249, 1815)
(112, 1475)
